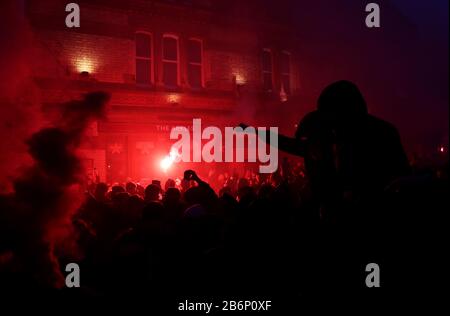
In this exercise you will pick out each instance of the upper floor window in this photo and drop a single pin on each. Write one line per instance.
(195, 63)
(267, 69)
(171, 61)
(144, 59)
(285, 65)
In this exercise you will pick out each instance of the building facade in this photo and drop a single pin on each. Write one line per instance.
(164, 63)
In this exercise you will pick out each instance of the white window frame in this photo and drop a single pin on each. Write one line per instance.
(202, 77)
(177, 62)
(151, 58)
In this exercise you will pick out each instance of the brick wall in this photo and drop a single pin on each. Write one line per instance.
(106, 58)
(105, 47)
(230, 50)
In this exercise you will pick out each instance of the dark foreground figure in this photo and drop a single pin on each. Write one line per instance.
(293, 239)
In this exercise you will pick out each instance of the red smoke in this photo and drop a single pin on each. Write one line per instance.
(19, 98)
(36, 217)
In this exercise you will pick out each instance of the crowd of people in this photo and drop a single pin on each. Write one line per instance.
(185, 236)
(254, 236)
(309, 229)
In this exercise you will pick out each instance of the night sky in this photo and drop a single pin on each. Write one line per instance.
(402, 67)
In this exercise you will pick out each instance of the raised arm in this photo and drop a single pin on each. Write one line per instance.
(287, 144)
(291, 145)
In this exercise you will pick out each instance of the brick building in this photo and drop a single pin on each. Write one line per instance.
(164, 63)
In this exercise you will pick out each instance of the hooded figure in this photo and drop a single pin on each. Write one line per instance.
(348, 153)
(368, 153)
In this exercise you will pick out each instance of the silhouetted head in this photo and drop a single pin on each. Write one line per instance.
(100, 191)
(172, 195)
(130, 188)
(342, 99)
(140, 190)
(120, 199)
(152, 192)
(116, 189)
(170, 183)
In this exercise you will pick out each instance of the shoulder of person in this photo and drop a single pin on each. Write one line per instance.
(382, 125)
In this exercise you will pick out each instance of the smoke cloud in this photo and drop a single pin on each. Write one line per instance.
(36, 216)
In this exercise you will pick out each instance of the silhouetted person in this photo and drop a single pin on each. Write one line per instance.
(367, 151)
(100, 191)
(152, 193)
(349, 154)
(130, 187)
(170, 183)
(172, 203)
(200, 194)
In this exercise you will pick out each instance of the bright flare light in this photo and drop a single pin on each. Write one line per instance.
(168, 161)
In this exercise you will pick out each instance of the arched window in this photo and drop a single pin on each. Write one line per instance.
(195, 63)
(144, 58)
(171, 61)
